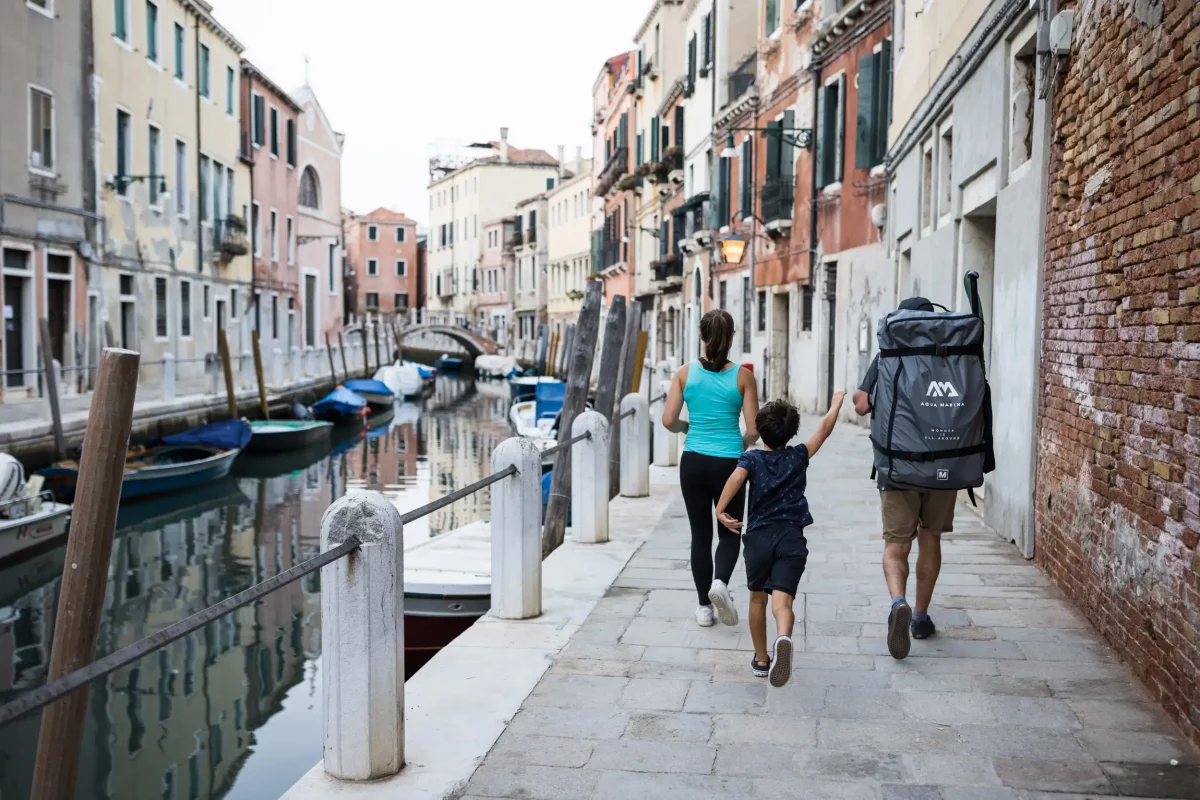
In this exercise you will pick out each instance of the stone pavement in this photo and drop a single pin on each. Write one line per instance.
(1015, 699)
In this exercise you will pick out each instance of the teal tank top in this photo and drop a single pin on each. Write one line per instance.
(713, 404)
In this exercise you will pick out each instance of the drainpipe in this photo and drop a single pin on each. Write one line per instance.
(812, 202)
(199, 147)
(89, 199)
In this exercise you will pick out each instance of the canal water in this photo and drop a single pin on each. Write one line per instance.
(233, 710)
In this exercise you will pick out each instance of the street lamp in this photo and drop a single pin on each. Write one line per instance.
(733, 248)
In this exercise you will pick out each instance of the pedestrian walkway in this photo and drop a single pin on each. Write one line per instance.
(1015, 699)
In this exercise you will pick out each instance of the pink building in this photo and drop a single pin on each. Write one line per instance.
(270, 141)
(495, 266)
(319, 248)
(613, 103)
(381, 249)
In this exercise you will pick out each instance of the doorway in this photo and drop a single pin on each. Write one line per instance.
(128, 314)
(831, 332)
(18, 316)
(977, 251)
(58, 304)
(310, 310)
(778, 373)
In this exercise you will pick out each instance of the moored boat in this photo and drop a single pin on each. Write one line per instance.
(379, 395)
(495, 366)
(196, 456)
(525, 388)
(340, 406)
(275, 435)
(448, 363)
(28, 516)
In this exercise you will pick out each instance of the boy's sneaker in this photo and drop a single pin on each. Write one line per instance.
(923, 628)
(704, 616)
(759, 668)
(899, 621)
(781, 664)
(722, 601)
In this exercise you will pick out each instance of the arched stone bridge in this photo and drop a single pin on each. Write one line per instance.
(473, 343)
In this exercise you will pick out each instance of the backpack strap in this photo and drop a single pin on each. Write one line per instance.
(932, 455)
(941, 350)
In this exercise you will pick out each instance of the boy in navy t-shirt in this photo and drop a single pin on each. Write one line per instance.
(773, 540)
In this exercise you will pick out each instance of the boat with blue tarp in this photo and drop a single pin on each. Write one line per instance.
(340, 406)
(196, 456)
(375, 392)
(274, 435)
(448, 363)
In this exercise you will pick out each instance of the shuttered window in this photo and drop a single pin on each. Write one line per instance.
(641, 152)
(874, 79)
(745, 194)
(772, 17)
(679, 126)
(830, 132)
(653, 139)
(291, 142)
(691, 66)
(706, 47)
(787, 158)
(721, 203)
(260, 120)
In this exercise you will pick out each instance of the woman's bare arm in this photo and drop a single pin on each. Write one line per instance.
(674, 404)
(749, 405)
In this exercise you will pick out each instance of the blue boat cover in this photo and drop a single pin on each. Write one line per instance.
(546, 496)
(368, 385)
(422, 370)
(550, 397)
(232, 434)
(340, 401)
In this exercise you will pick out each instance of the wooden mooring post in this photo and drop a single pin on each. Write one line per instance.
(607, 389)
(230, 389)
(633, 326)
(258, 376)
(51, 382)
(378, 359)
(85, 571)
(342, 350)
(366, 351)
(579, 376)
(329, 352)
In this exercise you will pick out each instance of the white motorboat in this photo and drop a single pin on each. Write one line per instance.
(30, 520)
(404, 379)
(494, 366)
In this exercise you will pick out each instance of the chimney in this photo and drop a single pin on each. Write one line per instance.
(561, 155)
(504, 145)
(578, 158)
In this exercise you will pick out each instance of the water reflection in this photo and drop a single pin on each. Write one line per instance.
(233, 710)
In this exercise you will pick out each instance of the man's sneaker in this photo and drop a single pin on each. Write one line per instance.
(923, 628)
(898, 622)
(759, 668)
(722, 601)
(704, 616)
(781, 664)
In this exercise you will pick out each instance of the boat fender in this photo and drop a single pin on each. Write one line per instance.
(12, 480)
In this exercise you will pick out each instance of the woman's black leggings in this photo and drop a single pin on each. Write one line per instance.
(702, 479)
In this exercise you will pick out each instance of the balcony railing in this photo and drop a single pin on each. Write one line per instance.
(742, 78)
(531, 236)
(778, 199)
(229, 237)
(611, 253)
(698, 213)
(614, 168)
(516, 239)
(667, 268)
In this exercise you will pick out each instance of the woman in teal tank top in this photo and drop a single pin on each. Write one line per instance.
(718, 395)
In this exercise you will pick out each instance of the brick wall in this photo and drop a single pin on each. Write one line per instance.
(1118, 480)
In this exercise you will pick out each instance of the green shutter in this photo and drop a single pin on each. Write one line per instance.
(787, 166)
(746, 194)
(839, 127)
(654, 139)
(772, 21)
(640, 149)
(883, 99)
(721, 204)
(821, 150)
(864, 131)
(773, 131)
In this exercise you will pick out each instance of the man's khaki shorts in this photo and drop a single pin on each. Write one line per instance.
(905, 511)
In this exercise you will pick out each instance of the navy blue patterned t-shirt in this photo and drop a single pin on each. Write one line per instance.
(777, 482)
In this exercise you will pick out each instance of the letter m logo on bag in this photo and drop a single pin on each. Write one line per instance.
(941, 389)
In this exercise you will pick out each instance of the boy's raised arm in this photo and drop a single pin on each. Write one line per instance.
(731, 488)
(825, 426)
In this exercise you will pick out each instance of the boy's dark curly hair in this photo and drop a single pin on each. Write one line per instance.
(777, 423)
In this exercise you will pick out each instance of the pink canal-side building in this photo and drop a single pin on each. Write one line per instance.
(270, 142)
(381, 251)
(320, 250)
(496, 268)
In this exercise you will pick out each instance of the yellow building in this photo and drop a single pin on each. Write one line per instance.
(173, 189)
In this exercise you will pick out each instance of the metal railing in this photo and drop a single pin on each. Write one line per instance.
(778, 198)
(742, 78)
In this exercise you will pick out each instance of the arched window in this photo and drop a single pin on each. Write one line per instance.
(310, 189)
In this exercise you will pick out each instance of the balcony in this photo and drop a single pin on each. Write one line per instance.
(616, 166)
(778, 199)
(741, 80)
(229, 237)
(531, 236)
(516, 239)
(670, 163)
(667, 268)
(611, 254)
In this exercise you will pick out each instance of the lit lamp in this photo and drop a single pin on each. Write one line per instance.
(730, 151)
(732, 249)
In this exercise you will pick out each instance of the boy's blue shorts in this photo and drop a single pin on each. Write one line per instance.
(775, 559)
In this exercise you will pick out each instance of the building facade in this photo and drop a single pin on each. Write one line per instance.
(614, 117)
(47, 190)
(463, 196)
(174, 193)
(270, 141)
(569, 237)
(528, 292)
(494, 312)
(381, 249)
(319, 245)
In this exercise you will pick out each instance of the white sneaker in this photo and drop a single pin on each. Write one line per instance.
(722, 601)
(781, 664)
(704, 616)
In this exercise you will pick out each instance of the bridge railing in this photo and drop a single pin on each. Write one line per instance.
(362, 597)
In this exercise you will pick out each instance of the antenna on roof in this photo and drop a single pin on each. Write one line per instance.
(307, 82)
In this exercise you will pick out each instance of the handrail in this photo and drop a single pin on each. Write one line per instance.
(456, 495)
(47, 694)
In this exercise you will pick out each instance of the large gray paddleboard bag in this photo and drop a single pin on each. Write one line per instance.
(931, 424)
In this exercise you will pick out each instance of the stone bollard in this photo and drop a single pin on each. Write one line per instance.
(666, 443)
(635, 446)
(168, 376)
(589, 479)
(295, 364)
(362, 640)
(277, 368)
(517, 531)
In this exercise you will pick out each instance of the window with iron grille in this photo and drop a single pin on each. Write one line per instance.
(806, 308)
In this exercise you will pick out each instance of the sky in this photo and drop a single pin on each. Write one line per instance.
(405, 78)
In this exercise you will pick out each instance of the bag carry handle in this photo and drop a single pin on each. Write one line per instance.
(971, 285)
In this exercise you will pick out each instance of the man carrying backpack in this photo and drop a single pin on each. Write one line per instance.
(909, 514)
